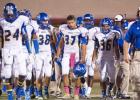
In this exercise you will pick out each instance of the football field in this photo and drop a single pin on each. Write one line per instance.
(96, 91)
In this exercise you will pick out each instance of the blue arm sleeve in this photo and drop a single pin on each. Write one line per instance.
(35, 42)
(25, 38)
(83, 40)
(36, 45)
(28, 46)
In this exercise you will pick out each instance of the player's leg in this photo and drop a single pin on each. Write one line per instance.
(20, 63)
(103, 77)
(111, 70)
(84, 79)
(52, 86)
(90, 67)
(48, 73)
(58, 74)
(118, 79)
(135, 70)
(65, 73)
(7, 71)
(77, 81)
(90, 79)
(125, 80)
(29, 66)
(71, 64)
(0, 73)
(33, 84)
(39, 73)
(77, 88)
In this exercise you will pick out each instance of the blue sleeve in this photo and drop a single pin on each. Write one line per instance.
(35, 42)
(28, 46)
(36, 45)
(83, 39)
(25, 38)
(117, 28)
(129, 36)
(23, 29)
(59, 36)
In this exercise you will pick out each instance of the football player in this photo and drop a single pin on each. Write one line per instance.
(105, 50)
(122, 69)
(12, 52)
(72, 37)
(0, 58)
(89, 24)
(30, 28)
(44, 59)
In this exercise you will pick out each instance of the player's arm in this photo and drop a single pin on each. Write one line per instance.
(116, 49)
(129, 38)
(53, 39)
(126, 54)
(95, 51)
(83, 42)
(55, 31)
(35, 41)
(83, 55)
(95, 54)
(1, 41)
(60, 46)
(25, 38)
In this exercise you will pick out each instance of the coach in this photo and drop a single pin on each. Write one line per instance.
(133, 37)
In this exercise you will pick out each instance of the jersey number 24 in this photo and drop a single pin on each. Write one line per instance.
(8, 34)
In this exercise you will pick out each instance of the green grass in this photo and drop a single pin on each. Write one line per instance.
(96, 91)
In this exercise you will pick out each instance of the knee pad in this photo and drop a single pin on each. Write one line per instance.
(91, 71)
(8, 81)
(103, 77)
(21, 80)
(90, 77)
(83, 80)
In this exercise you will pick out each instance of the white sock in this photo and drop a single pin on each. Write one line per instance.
(85, 85)
(88, 91)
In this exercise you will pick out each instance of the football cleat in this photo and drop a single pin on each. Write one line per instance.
(27, 94)
(66, 96)
(76, 97)
(10, 95)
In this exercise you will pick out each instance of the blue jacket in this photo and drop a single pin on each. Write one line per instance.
(133, 35)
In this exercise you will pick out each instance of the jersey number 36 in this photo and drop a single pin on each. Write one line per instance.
(106, 45)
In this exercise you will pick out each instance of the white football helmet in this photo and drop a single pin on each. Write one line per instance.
(118, 18)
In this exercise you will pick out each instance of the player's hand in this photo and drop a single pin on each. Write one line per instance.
(116, 63)
(55, 58)
(126, 59)
(82, 61)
